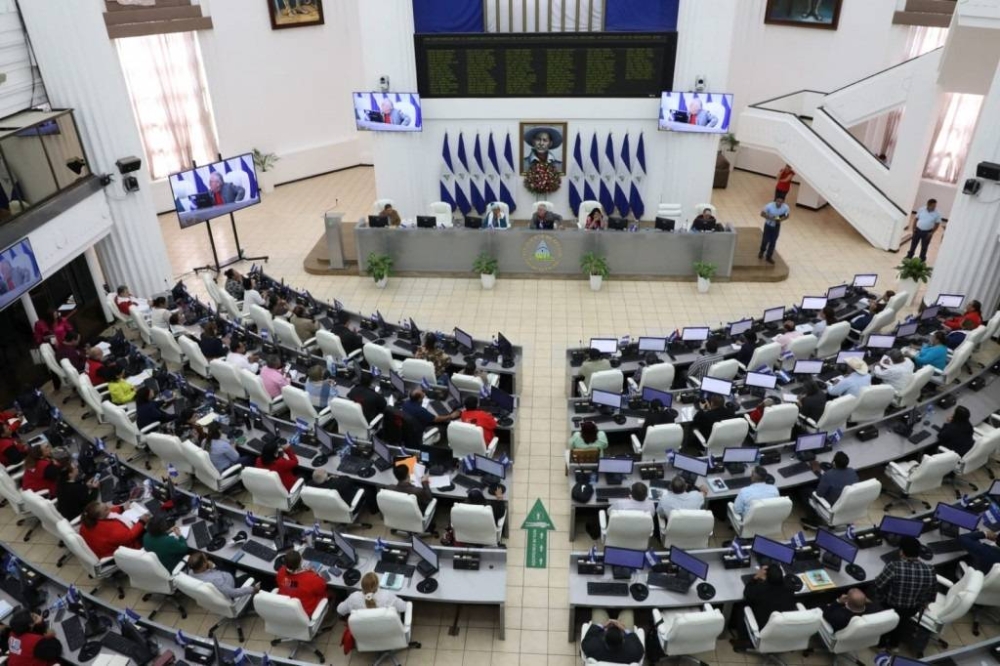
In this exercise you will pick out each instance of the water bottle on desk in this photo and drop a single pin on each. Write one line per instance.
(929, 414)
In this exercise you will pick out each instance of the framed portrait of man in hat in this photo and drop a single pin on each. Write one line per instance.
(542, 141)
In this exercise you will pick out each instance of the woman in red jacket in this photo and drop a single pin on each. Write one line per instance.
(282, 461)
(973, 318)
(40, 473)
(105, 534)
(300, 583)
(12, 449)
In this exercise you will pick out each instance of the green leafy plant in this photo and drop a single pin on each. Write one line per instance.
(729, 141)
(485, 264)
(264, 161)
(594, 264)
(915, 269)
(705, 270)
(379, 266)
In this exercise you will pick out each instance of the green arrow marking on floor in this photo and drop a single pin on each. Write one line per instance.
(538, 524)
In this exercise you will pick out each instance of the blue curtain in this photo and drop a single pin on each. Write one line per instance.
(452, 15)
(639, 15)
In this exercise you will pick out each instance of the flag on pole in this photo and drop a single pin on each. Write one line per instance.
(463, 176)
(482, 171)
(799, 539)
(738, 551)
(592, 171)
(447, 180)
(850, 533)
(607, 170)
(623, 179)
(478, 178)
(638, 176)
(493, 181)
(507, 175)
(576, 177)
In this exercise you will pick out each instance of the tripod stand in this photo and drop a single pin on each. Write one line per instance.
(240, 256)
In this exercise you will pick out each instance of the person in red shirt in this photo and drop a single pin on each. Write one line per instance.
(12, 449)
(282, 461)
(40, 473)
(124, 300)
(31, 642)
(60, 327)
(784, 183)
(42, 331)
(973, 318)
(472, 414)
(105, 534)
(94, 365)
(300, 583)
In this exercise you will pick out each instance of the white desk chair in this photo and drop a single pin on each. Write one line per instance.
(211, 287)
(94, 398)
(45, 512)
(379, 205)
(872, 403)
(475, 524)
(139, 319)
(639, 632)
(834, 416)
(267, 490)
(146, 573)
(686, 632)
(285, 618)
(328, 506)
(659, 439)
(659, 376)
(763, 516)
(289, 337)
(169, 450)
(950, 606)
(802, 347)
(987, 427)
(117, 315)
(300, 406)
(700, 208)
(983, 449)
(975, 337)
(467, 439)
(727, 369)
(230, 384)
(879, 323)
(603, 380)
(415, 369)
(626, 529)
(208, 597)
(101, 569)
(861, 632)
(898, 301)
(232, 308)
(401, 512)
(784, 632)
(989, 596)
(10, 491)
(910, 395)
(127, 431)
(381, 630)
(351, 419)
(263, 319)
(851, 506)
(775, 424)
(442, 212)
(549, 206)
(731, 432)
(329, 344)
(584, 210)
(912, 478)
(169, 350)
(195, 358)
(687, 528)
(240, 179)
(49, 358)
(766, 355)
(470, 384)
(831, 338)
(381, 358)
(207, 473)
(953, 371)
(257, 394)
(672, 211)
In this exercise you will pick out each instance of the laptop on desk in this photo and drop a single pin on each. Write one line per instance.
(202, 200)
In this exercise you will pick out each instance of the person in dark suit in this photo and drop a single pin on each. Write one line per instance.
(847, 607)
(657, 416)
(957, 433)
(348, 337)
(372, 403)
(750, 342)
(543, 218)
(611, 642)
(711, 412)
(223, 192)
(813, 401)
(767, 593)
(705, 222)
(404, 485)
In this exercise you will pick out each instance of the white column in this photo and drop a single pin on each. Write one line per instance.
(97, 273)
(968, 261)
(79, 65)
(29, 309)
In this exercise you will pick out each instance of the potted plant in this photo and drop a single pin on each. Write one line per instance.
(379, 267)
(705, 272)
(596, 267)
(729, 142)
(912, 272)
(486, 266)
(265, 167)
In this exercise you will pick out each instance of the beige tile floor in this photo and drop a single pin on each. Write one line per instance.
(545, 317)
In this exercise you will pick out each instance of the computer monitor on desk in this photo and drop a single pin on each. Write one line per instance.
(606, 399)
(473, 222)
(881, 341)
(348, 555)
(506, 349)
(715, 385)
(616, 224)
(690, 466)
(762, 380)
(952, 301)
(695, 333)
(745, 455)
(806, 446)
(381, 449)
(398, 385)
(426, 221)
(615, 469)
(378, 221)
(624, 558)
(773, 315)
(502, 400)
(908, 329)
(604, 345)
(768, 550)
(894, 527)
(813, 303)
(740, 327)
(464, 340)
(835, 293)
(650, 394)
(494, 469)
(835, 550)
(930, 313)
(953, 518)
(807, 367)
(454, 393)
(688, 563)
(852, 353)
(865, 280)
(665, 224)
(429, 563)
(652, 344)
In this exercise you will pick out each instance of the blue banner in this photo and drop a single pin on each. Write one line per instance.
(637, 15)
(456, 15)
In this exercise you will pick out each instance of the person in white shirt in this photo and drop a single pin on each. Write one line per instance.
(923, 224)
(894, 369)
(679, 497)
(370, 596)
(638, 500)
(784, 339)
(758, 490)
(251, 296)
(160, 315)
(237, 357)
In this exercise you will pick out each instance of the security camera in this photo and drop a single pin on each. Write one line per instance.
(76, 164)
(383, 83)
(128, 164)
(699, 83)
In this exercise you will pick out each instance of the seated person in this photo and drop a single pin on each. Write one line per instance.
(273, 377)
(612, 642)
(828, 317)
(40, 472)
(148, 410)
(710, 412)
(120, 390)
(589, 437)
(234, 283)
(595, 220)
(701, 365)
(73, 492)
(94, 364)
(344, 486)
(69, 349)
(657, 415)
(638, 500)
(972, 318)
(404, 485)
(299, 582)
(221, 452)
(957, 434)
(705, 222)
(852, 383)
(833, 481)
(812, 401)
(677, 496)
(372, 402)
(30, 641)
(414, 407)
(393, 215)
(124, 300)
(748, 345)
(982, 556)
(104, 530)
(767, 593)
(251, 296)
(305, 326)
(430, 351)
(163, 539)
(860, 322)
(894, 369)
(495, 218)
(470, 369)
(495, 501)
(472, 414)
(12, 449)
(935, 353)
(202, 568)
(349, 337)
(759, 489)
(847, 607)
(318, 386)
(238, 358)
(160, 315)
(543, 218)
(787, 335)
(211, 345)
(370, 596)
(595, 363)
(282, 461)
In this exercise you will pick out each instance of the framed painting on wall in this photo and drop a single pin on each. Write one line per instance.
(824, 14)
(295, 13)
(543, 141)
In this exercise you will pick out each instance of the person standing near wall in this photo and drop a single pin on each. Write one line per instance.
(774, 214)
(784, 183)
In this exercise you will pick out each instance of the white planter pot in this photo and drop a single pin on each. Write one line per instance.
(488, 280)
(266, 181)
(381, 283)
(910, 287)
(595, 282)
(703, 285)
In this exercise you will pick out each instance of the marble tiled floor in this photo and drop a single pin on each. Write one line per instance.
(545, 317)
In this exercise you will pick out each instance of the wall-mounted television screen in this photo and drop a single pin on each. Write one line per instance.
(388, 112)
(18, 271)
(695, 112)
(215, 189)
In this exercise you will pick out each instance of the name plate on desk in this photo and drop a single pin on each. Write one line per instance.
(585, 567)
(867, 539)
(733, 562)
(648, 472)
(466, 561)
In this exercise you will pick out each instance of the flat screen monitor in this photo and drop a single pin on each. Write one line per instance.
(397, 382)
(345, 547)
(881, 341)
(388, 111)
(772, 315)
(505, 347)
(761, 380)
(615, 466)
(844, 355)
(695, 334)
(690, 464)
(665, 224)
(906, 330)
(813, 303)
(454, 393)
(747, 455)
(906, 661)
(834, 545)
(865, 280)
(606, 399)
(19, 271)
(378, 221)
(652, 344)
(215, 189)
(650, 394)
(833, 293)
(604, 345)
(464, 340)
(953, 301)
(771, 549)
(811, 442)
(807, 367)
(624, 557)
(949, 514)
(424, 551)
(715, 385)
(426, 222)
(324, 438)
(698, 112)
(740, 327)
(381, 450)
(901, 526)
(930, 313)
(690, 563)
(490, 467)
(994, 490)
(502, 399)
(473, 222)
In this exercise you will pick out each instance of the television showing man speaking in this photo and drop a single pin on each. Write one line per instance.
(695, 112)
(215, 189)
(388, 112)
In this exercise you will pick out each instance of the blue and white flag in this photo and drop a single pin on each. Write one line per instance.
(128, 615)
(240, 657)
(883, 659)
(424, 384)
(254, 410)
(302, 425)
(181, 639)
(56, 414)
(799, 539)
(249, 519)
(652, 559)
(576, 177)
(210, 396)
(380, 547)
(592, 171)
(100, 445)
(505, 460)
(376, 372)
(349, 441)
(638, 176)
(992, 515)
(463, 176)
(507, 173)
(592, 554)
(492, 169)
(73, 595)
(834, 437)
(484, 392)
(623, 179)
(195, 502)
(964, 501)
(469, 463)
(607, 171)
(479, 174)
(850, 533)
(58, 604)
(738, 551)
(172, 471)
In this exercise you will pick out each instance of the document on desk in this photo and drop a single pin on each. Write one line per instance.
(104, 347)
(5, 609)
(137, 380)
(440, 481)
(207, 419)
(789, 397)
(804, 329)
(686, 412)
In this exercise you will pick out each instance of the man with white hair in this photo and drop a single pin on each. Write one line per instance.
(699, 115)
(223, 192)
